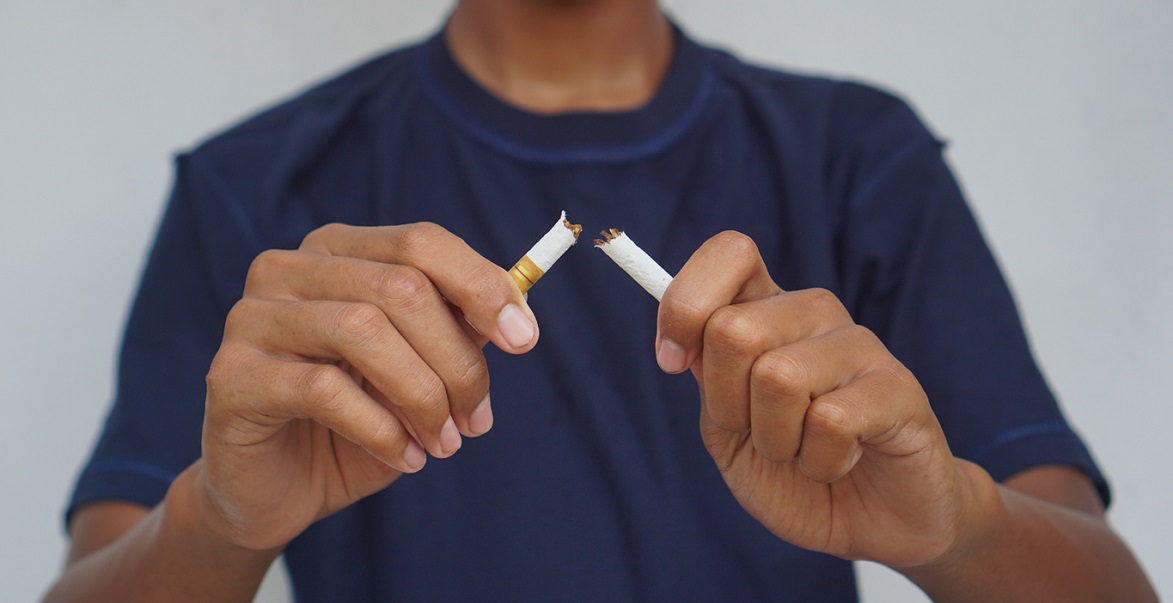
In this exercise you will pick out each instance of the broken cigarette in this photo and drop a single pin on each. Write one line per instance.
(635, 262)
(544, 253)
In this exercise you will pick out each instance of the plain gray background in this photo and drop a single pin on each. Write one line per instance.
(1059, 114)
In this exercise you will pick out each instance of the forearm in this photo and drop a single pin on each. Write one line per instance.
(1018, 548)
(169, 555)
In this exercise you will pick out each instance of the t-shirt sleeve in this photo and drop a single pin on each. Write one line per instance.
(194, 273)
(921, 276)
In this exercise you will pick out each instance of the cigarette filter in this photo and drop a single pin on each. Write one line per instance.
(544, 253)
(635, 262)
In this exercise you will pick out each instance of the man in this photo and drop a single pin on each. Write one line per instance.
(861, 374)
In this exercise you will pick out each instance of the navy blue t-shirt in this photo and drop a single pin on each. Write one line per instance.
(593, 484)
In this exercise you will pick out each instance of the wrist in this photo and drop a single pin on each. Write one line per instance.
(982, 511)
(196, 523)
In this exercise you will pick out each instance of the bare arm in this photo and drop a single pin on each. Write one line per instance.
(830, 442)
(123, 552)
(346, 362)
(1046, 539)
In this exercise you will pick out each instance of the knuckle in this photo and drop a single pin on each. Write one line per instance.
(322, 386)
(864, 338)
(240, 315)
(678, 313)
(361, 323)
(895, 371)
(266, 267)
(820, 297)
(735, 243)
(824, 303)
(782, 373)
(319, 237)
(417, 238)
(220, 372)
(402, 286)
(731, 327)
(828, 420)
(387, 430)
(430, 396)
(471, 376)
(235, 378)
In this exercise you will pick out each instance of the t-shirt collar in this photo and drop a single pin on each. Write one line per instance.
(574, 137)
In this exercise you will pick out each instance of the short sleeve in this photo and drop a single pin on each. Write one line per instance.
(922, 277)
(193, 275)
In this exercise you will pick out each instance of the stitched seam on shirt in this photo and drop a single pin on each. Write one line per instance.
(1017, 434)
(228, 200)
(896, 160)
(132, 466)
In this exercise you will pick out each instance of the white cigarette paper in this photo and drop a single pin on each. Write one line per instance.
(541, 257)
(635, 262)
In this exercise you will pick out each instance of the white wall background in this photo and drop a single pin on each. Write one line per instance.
(1060, 115)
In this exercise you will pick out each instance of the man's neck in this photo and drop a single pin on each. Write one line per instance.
(551, 56)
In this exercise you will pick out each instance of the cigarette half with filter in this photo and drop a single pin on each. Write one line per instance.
(541, 257)
(635, 262)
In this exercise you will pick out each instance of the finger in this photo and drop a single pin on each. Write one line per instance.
(477, 338)
(840, 424)
(843, 388)
(479, 420)
(779, 399)
(277, 391)
(361, 335)
(725, 269)
(482, 290)
(411, 303)
(329, 396)
(735, 336)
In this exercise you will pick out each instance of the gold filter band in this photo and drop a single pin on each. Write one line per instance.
(525, 273)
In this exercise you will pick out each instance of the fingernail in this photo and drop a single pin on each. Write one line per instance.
(481, 419)
(671, 357)
(415, 457)
(515, 326)
(449, 437)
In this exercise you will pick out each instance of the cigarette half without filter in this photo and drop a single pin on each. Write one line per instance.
(635, 262)
(541, 257)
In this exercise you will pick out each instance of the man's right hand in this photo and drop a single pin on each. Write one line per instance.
(344, 361)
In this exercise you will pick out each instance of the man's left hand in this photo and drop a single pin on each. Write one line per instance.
(820, 433)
